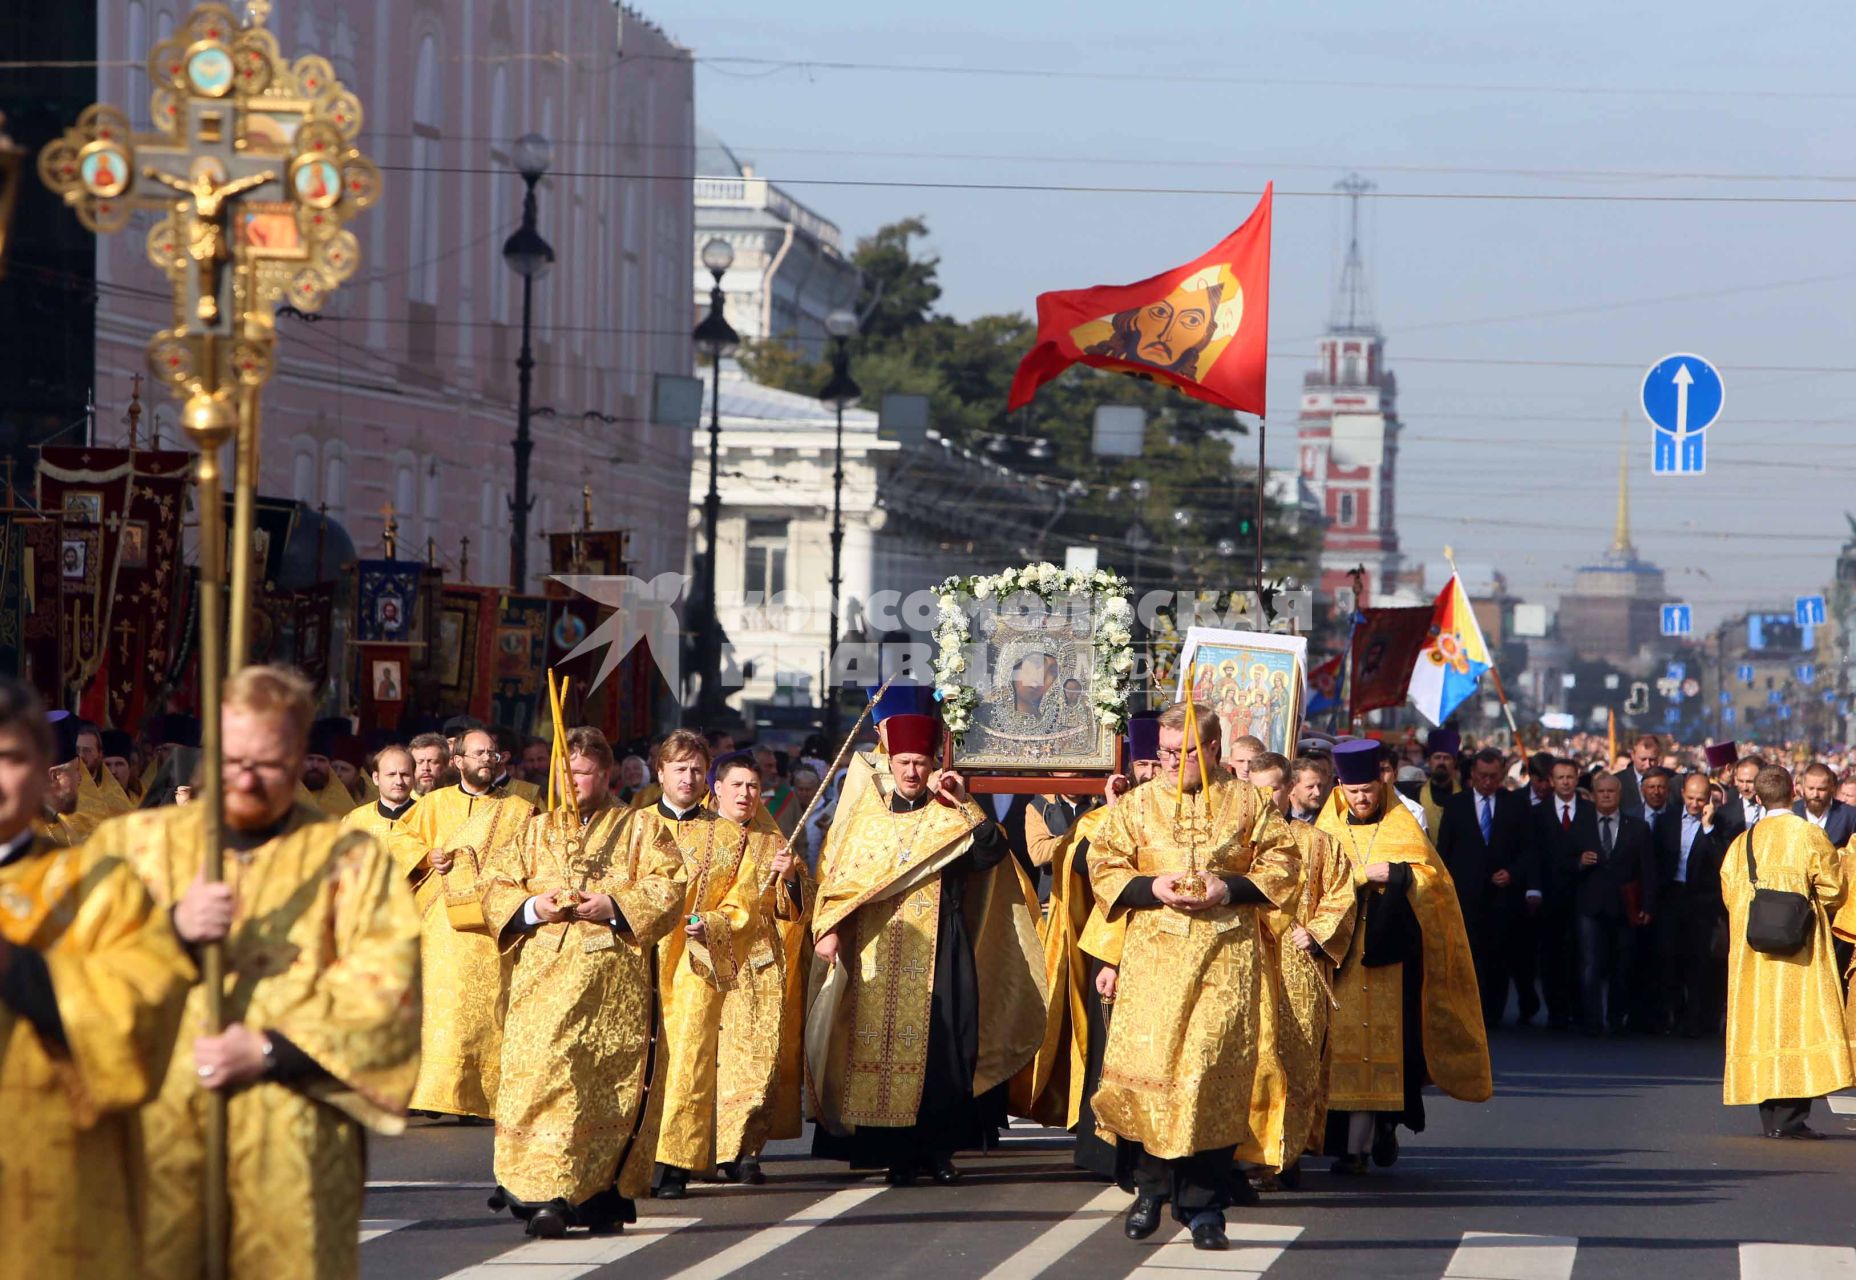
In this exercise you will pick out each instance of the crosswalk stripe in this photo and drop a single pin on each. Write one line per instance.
(1050, 1247)
(1255, 1247)
(570, 1258)
(1494, 1255)
(374, 1228)
(1796, 1262)
(1843, 1104)
(763, 1242)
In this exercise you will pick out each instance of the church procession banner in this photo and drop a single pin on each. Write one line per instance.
(117, 559)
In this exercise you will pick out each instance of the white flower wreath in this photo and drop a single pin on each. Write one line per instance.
(1113, 636)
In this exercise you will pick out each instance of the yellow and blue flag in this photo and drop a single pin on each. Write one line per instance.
(1453, 658)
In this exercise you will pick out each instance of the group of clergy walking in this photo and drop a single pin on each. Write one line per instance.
(1227, 972)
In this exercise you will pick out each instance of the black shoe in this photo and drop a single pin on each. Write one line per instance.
(1242, 1193)
(900, 1175)
(1385, 1146)
(728, 1171)
(547, 1224)
(1264, 1181)
(942, 1170)
(499, 1200)
(675, 1184)
(1291, 1178)
(751, 1175)
(1210, 1235)
(1349, 1167)
(1143, 1217)
(1802, 1133)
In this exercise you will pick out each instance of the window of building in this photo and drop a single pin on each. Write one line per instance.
(424, 224)
(1347, 510)
(765, 570)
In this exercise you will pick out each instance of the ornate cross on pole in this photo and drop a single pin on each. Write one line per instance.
(252, 158)
(390, 531)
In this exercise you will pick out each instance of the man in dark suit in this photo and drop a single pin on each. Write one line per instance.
(1742, 808)
(1689, 912)
(1662, 809)
(1482, 839)
(1818, 805)
(1645, 754)
(1614, 890)
(1553, 855)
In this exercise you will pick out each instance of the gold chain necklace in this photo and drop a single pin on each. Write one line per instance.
(1353, 844)
(905, 852)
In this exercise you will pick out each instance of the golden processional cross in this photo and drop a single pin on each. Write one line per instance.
(252, 160)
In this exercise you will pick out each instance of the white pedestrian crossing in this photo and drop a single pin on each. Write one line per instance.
(1843, 1104)
(374, 1228)
(765, 1241)
(1255, 1247)
(573, 1257)
(1051, 1247)
(1796, 1262)
(1493, 1255)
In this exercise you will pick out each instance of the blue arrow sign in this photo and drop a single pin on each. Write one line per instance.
(1727, 716)
(1727, 699)
(1808, 611)
(1785, 712)
(1744, 673)
(1677, 671)
(1807, 673)
(1775, 698)
(1682, 397)
(1678, 619)
(1830, 697)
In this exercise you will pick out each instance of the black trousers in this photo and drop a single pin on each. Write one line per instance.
(1604, 971)
(1506, 949)
(1784, 1115)
(1193, 1183)
(1558, 963)
(1691, 976)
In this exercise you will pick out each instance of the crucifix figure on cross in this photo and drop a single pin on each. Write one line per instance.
(206, 231)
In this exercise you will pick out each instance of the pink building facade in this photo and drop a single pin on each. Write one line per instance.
(403, 392)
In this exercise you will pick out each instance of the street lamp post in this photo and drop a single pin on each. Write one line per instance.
(530, 257)
(720, 338)
(841, 392)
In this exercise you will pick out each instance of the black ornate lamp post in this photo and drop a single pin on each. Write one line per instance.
(841, 392)
(719, 338)
(530, 257)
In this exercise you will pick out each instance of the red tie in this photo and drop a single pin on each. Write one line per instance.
(1565, 818)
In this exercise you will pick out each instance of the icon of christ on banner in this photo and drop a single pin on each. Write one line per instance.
(1183, 333)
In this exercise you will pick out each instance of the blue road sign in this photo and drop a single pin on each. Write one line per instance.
(1672, 715)
(1807, 673)
(1809, 611)
(1776, 697)
(1727, 699)
(1682, 397)
(1785, 712)
(1744, 673)
(1678, 619)
(1830, 697)
(1727, 716)
(1677, 671)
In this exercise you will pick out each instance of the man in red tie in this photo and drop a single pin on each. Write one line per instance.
(1555, 843)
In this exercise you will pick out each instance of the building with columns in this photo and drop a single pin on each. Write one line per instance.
(1347, 437)
(790, 269)
(403, 391)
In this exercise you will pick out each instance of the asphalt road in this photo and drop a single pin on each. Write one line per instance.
(1596, 1158)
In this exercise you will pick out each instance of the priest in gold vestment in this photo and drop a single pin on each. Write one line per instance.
(1410, 1010)
(1787, 1039)
(91, 986)
(758, 1065)
(321, 1040)
(581, 908)
(461, 828)
(1306, 941)
(320, 785)
(701, 960)
(1184, 1041)
(382, 816)
(934, 993)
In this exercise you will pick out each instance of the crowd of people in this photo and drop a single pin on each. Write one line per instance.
(641, 967)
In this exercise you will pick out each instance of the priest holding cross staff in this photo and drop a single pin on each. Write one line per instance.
(285, 1054)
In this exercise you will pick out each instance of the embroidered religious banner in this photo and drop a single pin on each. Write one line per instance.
(387, 600)
(1202, 327)
(41, 629)
(462, 655)
(521, 650)
(315, 621)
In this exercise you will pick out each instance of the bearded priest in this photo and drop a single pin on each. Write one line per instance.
(934, 992)
(1409, 1009)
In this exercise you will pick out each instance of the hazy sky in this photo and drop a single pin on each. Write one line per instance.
(1519, 328)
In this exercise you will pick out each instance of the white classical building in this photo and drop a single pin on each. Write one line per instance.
(914, 513)
(790, 270)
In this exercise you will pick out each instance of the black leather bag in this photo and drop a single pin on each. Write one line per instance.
(1778, 923)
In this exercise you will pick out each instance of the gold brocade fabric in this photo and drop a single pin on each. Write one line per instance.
(695, 975)
(102, 795)
(334, 799)
(1433, 810)
(758, 1072)
(573, 1116)
(1050, 1088)
(66, 831)
(880, 890)
(1183, 1044)
(466, 976)
(324, 950)
(401, 845)
(1288, 1105)
(1367, 1055)
(1786, 1033)
(71, 1163)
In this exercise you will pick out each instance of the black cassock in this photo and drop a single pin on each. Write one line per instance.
(949, 1118)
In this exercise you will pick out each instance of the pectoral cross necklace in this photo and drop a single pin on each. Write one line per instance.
(906, 851)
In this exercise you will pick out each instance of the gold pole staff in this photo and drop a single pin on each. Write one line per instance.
(251, 218)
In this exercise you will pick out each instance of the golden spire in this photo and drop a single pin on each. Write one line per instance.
(1620, 540)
